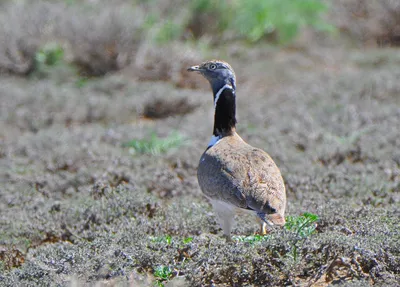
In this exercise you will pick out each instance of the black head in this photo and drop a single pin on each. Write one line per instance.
(218, 73)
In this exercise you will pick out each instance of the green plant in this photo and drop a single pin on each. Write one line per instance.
(155, 145)
(81, 82)
(222, 11)
(250, 239)
(187, 240)
(252, 19)
(167, 239)
(70, 2)
(168, 31)
(285, 18)
(303, 226)
(50, 55)
(162, 273)
(49, 62)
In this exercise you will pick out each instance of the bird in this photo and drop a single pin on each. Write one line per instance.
(232, 174)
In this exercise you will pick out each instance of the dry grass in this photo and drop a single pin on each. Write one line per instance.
(370, 22)
(20, 40)
(100, 37)
(101, 40)
(167, 63)
(96, 39)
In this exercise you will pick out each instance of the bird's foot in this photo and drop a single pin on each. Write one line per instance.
(264, 230)
(227, 237)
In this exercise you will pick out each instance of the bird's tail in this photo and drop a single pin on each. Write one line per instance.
(277, 219)
(272, 219)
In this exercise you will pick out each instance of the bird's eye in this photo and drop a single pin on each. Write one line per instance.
(213, 67)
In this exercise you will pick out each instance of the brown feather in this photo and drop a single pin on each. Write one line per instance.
(247, 177)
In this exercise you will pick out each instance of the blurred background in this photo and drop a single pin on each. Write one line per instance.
(155, 40)
(101, 129)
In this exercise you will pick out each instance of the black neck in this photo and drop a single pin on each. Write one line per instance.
(225, 113)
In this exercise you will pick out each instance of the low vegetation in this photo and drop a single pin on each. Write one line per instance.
(154, 145)
(162, 273)
(281, 20)
(303, 226)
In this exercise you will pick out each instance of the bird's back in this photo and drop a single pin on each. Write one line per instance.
(246, 177)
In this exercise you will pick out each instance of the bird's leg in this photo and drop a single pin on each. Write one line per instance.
(226, 221)
(263, 228)
(227, 237)
(226, 218)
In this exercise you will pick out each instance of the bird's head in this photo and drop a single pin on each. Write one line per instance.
(218, 73)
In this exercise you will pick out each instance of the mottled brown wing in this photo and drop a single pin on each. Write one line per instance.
(243, 176)
(259, 181)
(216, 182)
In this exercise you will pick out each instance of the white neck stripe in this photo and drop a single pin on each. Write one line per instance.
(220, 92)
(214, 140)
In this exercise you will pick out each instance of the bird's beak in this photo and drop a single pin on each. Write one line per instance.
(194, 68)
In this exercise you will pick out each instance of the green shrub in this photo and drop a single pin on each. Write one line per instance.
(169, 31)
(304, 225)
(251, 19)
(255, 19)
(155, 145)
(162, 273)
(187, 240)
(49, 56)
(208, 16)
(166, 239)
(250, 239)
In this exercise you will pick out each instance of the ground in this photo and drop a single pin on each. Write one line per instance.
(78, 208)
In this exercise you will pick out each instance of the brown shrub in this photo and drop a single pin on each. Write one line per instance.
(11, 257)
(101, 39)
(97, 38)
(161, 108)
(372, 22)
(21, 37)
(168, 62)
